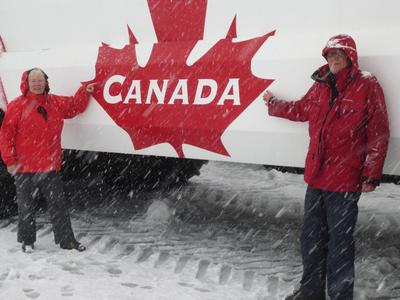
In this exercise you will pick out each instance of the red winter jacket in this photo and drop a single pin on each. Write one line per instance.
(30, 141)
(348, 139)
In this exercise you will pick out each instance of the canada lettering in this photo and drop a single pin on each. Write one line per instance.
(206, 92)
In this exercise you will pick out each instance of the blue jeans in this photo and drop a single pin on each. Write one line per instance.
(327, 244)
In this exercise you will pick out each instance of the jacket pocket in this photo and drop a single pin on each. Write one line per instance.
(349, 119)
(348, 107)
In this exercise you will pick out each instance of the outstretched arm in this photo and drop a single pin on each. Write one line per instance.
(292, 110)
(72, 106)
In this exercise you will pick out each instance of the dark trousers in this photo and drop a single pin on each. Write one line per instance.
(51, 187)
(327, 244)
(7, 193)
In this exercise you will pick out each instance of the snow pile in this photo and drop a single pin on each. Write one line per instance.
(160, 212)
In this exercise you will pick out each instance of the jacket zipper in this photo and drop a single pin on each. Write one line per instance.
(323, 125)
(334, 96)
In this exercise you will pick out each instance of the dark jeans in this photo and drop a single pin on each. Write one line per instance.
(51, 186)
(327, 244)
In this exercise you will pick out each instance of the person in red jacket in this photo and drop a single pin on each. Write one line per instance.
(30, 140)
(349, 133)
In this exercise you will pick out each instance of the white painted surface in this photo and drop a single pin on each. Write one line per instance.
(63, 38)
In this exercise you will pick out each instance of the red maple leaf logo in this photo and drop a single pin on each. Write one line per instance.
(168, 101)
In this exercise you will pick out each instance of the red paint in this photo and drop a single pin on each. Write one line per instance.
(3, 95)
(2, 46)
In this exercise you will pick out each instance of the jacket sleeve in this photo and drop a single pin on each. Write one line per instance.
(293, 110)
(377, 134)
(8, 134)
(72, 106)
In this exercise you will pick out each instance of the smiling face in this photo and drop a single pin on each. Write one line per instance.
(337, 60)
(36, 82)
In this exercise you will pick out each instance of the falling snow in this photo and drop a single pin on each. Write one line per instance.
(231, 233)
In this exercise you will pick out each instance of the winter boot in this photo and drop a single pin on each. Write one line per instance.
(73, 245)
(27, 248)
(298, 295)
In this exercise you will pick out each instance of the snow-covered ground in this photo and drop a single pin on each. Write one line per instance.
(232, 233)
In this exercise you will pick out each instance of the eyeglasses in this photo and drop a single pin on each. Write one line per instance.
(339, 53)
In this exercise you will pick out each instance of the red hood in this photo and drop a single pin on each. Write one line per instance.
(343, 42)
(24, 87)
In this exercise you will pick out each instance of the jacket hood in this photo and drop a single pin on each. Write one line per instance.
(345, 43)
(24, 86)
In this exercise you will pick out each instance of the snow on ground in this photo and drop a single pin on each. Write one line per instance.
(255, 190)
(278, 196)
(232, 233)
(49, 273)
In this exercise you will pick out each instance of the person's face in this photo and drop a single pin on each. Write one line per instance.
(337, 60)
(36, 82)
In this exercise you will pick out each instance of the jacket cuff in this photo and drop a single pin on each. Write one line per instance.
(271, 99)
(9, 160)
(371, 181)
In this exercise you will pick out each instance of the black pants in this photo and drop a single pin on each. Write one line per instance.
(8, 206)
(327, 244)
(51, 186)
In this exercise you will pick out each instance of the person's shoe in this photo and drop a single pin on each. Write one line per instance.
(73, 245)
(27, 248)
(297, 295)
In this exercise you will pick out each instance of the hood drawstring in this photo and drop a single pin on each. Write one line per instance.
(334, 91)
(42, 111)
